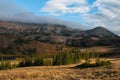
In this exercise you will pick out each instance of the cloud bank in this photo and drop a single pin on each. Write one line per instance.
(9, 11)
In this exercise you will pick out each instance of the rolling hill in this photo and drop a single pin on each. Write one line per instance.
(17, 37)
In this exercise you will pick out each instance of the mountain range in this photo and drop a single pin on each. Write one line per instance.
(39, 38)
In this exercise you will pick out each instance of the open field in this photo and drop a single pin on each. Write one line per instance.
(67, 72)
(101, 49)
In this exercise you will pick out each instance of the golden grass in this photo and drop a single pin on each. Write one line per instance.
(66, 72)
(99, 49)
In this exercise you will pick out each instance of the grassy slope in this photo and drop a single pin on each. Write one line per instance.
(107, 50)
(6, 40)
(67, 72)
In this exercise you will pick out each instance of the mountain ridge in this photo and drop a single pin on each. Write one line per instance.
(37, 38)
(52, 28)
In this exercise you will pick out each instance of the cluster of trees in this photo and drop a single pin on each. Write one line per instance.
(72, 56)
(27, 62)
(38, 61)
(14, 46)
(63, 58)
(20, 41)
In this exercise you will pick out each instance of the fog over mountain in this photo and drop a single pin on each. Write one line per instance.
(11, 12)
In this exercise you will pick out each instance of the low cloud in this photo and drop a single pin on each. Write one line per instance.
(9, 11)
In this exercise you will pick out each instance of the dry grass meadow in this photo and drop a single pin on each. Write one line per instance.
(67, 72)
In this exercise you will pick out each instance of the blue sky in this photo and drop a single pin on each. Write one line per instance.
(35, 6)
(32, 5)
(83, 14)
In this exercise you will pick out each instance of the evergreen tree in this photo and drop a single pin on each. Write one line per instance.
(26, 63)
(63, 58)
(97, 59)
(87, 57)
(57, 60)
(39, 61)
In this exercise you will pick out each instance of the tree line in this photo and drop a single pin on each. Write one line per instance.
(62, 58)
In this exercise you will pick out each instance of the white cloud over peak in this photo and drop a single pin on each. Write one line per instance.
(108, 15)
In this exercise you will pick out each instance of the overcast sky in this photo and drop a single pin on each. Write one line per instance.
(82, 14)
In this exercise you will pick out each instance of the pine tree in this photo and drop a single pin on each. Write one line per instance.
(97, 59)
(67, 58)
(63, 58)
(87, 57)
(57, 60)
(39, 61)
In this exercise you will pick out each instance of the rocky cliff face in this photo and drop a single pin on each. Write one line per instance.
(36, 28)
(39, 32)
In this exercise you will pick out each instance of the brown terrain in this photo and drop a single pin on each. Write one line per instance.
(66, 72)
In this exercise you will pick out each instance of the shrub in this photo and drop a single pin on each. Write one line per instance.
(4, 65)
(26, 62)
(85, 65)
(103, 63)
(89, 65)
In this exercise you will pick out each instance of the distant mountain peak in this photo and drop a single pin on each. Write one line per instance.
(99, 27)
(100, 32)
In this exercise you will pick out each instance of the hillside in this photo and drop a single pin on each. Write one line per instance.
(98, 36)
(17, 38)
(11, 44)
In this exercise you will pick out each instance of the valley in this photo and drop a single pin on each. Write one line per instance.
(30, 51)
(59, 40)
